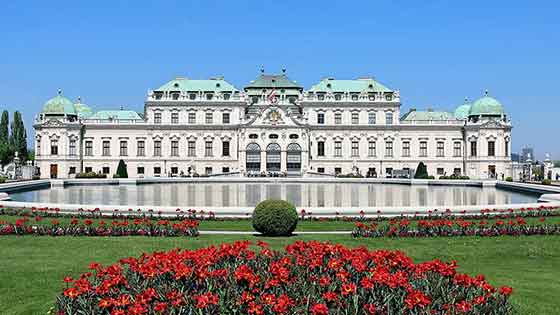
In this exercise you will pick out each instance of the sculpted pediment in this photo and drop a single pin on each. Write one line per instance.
(272, 116)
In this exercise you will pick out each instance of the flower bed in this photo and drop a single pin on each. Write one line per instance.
(307, 278)
(88, 227)
(456, 227)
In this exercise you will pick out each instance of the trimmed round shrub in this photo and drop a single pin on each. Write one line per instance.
(546, 181)
(509, 179)
(275, 218)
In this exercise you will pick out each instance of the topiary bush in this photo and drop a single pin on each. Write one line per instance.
(275, 218)
(509, 179)
(122, 171)
(546, 181)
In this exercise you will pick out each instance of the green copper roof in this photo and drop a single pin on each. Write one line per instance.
(462, 112)
(82, 109)
(359, 85)
(188, 85)
(277, 81)
(59, 105)
(117, 115)
(486, 106)
(426, 115)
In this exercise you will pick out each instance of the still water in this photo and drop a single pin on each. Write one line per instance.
(249, 194)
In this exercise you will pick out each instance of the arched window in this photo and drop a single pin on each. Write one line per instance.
(273, 157)
(253, 157)
(293, 158)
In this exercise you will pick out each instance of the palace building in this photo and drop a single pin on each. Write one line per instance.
(273, 126)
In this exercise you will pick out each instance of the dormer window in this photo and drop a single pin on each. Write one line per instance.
(329, 85)
(192, 96)
(158, 95)
(176, 85)
(321, 97)
(254, 100)
(371, 97)
(338, 97)
(209, 96)
(388, 97)
(218, 85)
(175, 96)
(354, 97)
(273, 80)
(227, 96)
(370, 86)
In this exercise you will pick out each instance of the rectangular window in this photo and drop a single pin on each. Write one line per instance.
(140, 148)
(157, 148)
(174, 118)
(72, 170)
(191, 149)
(491, 148)
(225, 170)
(355, 118)
(88, 169)
(389, 118)
(140, 170)
(208, 148)
(389, 149)
(457, 149)
(38, 149)
(157, 118)
(338, 148)
(174, 170)
(506, 149)
(192, 118)
(209, 118)
(372, 148)
(474, 148)
(320, 118)
(320, 170)
(423, 148)
(157, 171)
(54, 147)
(89, 148)
(124, 148)
(208, 170)
(321, 148)
(372, 118)
(440, 171)
(225, 148)
(337, 118)
(457, 171)
(175, 148)
(440, 149)
(106, 148)
(337, 170)
(355, 148)
(406, 149)
(225, 118)
(106, 170)
(72, 150)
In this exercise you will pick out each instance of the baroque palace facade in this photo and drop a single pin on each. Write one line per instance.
(273, 126)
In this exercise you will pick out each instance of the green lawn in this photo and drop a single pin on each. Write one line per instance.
(32, 268)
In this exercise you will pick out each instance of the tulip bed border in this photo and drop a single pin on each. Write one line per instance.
(311, 278)
(86, 227)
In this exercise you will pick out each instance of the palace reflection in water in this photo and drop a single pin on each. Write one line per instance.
(249, 194)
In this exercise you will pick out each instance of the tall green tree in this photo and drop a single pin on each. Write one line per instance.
(5, 148)
(18, 138)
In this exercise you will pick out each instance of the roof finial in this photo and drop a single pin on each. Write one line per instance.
(283, 69)
(466, 99)
(486, 92)
(262, 69)
(59, 91)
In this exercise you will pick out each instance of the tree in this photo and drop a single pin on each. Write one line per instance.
(4, 124)
(421, 171)
(18, 138)
(5, 149)
(121, 170)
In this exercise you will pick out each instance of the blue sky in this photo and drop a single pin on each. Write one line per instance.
(436, 52)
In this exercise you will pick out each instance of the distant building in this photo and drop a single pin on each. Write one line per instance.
(527, 153)
(515, 157)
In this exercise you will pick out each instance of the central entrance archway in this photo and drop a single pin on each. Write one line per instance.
(293, 163)
(273, 158)
(253, 158)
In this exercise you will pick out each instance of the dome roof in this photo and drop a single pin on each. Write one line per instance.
(462, 112)
(59, 105)
(82, 109)
(486, 106)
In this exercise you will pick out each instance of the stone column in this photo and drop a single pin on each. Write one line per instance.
(283, 161)
(263, 160)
